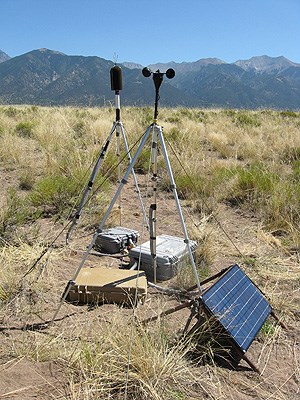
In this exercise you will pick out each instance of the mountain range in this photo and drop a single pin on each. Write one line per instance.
(3, 56)
(47, 77)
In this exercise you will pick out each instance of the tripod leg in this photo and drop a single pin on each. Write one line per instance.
(134, 177)
(90, 183)
(175, 194)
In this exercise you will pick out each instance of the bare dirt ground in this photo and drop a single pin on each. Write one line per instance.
(235, 236)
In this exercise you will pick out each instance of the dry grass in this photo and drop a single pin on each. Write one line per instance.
(24, 296)
(243, 180)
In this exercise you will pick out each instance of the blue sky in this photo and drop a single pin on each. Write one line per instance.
(150, 31)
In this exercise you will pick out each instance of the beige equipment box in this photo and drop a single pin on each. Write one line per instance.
(105, 285)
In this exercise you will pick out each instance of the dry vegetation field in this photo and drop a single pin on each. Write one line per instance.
(238, 177)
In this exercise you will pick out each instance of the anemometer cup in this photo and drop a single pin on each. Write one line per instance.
(146, 72)
(170, 73)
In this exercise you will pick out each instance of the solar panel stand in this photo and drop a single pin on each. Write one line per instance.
(238, 307)
(248, 361)
(191, 304)
(278, 320)
(199, 323)
(194, 306)
(172, 310)
(198, 307)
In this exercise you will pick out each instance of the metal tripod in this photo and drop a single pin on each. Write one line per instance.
(157, 135)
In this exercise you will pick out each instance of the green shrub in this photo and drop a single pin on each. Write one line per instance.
(244, 119)
(267, 329)
(282, 209)
(174, 119)
(147, 115)
(54, 193)
(82, 113)
(256, 177)
(109, 165)
(276, 200)
(186, 112)
(34, 109)
(251, 184)
(288, 114)
(11, 111)
(25, 129)
(190, 186)
(186, 185)
(191, 114)
(14, 214)
(229, 113)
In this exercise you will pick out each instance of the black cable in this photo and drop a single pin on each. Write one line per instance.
(46, 250)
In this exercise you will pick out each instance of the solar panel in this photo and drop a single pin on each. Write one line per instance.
(238, 305)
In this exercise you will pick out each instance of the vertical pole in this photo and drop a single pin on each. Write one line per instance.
(157, 79)
(118, 118)
(156, 106)
(118, 105)
(153, 206)
(173, 187)
(118, 152)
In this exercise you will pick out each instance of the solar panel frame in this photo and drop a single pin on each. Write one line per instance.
(238, 305)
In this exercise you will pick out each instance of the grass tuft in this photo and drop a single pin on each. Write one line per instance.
(25, 129)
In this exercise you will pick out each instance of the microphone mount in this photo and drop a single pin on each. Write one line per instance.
(116, 83)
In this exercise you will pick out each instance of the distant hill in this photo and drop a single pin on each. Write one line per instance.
(52, 78)
(3, 56)
(132, 65)
(186, 66)
(49, 77)
(228, 85)
(266, 64)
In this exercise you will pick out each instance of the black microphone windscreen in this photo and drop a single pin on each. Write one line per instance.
(116, 78)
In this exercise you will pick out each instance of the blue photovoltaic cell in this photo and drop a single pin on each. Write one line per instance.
(239, 306)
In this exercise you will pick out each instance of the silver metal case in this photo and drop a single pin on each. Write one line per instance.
(116, 240)
(171, 252)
